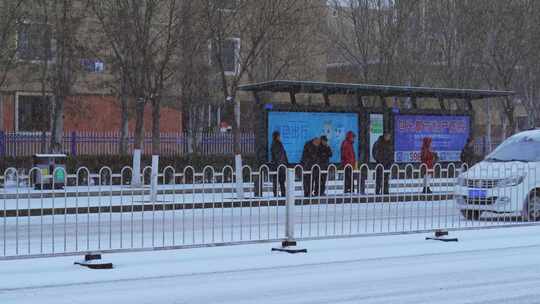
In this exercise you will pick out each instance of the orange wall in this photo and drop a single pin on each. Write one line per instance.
(100, 114)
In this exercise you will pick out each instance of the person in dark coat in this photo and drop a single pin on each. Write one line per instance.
(310, 158)
(279, 164)
(468, 156)
(383, 152)
(348, 160)
(325, 153)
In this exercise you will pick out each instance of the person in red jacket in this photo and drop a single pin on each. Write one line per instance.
(428, 158)
(348, 159)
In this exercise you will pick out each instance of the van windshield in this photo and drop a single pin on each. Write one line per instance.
(517, 148)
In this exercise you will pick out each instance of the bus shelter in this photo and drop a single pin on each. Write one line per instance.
(366, 110)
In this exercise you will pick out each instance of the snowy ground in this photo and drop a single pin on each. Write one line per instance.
(485, 266)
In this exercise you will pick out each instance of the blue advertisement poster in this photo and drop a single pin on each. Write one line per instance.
(449, 135)
(297, 128)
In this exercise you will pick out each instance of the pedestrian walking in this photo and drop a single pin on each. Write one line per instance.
(383, 152)
(325, 153)
(279, 164)
(348, 160)
(310, 158)
(428, 158)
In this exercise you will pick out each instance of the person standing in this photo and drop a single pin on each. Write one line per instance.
(279, 164)
(325, 153)
(383, 152)
(310, 158)
(348, 160)
(428, 158)
(468, 156)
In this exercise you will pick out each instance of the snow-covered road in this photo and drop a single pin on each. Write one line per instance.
(486, 266)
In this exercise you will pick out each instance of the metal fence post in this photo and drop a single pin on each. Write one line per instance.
(154, 179)
(290, 217)
(289, 228)
(74, 143)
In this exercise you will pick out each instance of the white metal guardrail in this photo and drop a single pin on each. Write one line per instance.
(101, 211)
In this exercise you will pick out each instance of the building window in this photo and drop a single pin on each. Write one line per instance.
(230, 52)
(228, 5)
(34, 42)
(93, 65)
(33, 113)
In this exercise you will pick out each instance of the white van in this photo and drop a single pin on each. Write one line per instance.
(506, 181)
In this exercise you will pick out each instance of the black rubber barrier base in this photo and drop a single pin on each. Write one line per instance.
(95, 265)
(290, 250)
(93, 261)
(442, 239)
(289, 246)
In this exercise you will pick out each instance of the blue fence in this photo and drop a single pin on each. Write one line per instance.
(93, 143)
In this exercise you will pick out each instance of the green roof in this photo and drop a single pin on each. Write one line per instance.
(332, 88)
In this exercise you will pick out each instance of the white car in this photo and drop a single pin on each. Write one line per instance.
(506, 181)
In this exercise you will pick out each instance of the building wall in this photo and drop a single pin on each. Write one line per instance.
(98, 113)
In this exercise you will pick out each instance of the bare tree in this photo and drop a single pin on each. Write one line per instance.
(52, 55)
(10, 13)
(505, 48)
(142, 36)
(528, 84)
(246, 28)
(370, 34)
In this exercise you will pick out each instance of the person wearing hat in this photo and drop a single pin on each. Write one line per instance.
(325, 153)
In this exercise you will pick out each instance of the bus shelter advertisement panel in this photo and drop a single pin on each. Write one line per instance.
(296, 128)
(449, 135)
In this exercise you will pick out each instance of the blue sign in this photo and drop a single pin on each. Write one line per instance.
(297, 128)
(449, 135)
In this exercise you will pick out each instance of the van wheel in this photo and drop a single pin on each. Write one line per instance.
(471, 214)
(533, 208)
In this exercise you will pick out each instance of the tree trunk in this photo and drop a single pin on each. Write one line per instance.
(57, 124)
(1, 112)
(139, 124)
(124, 128)
(156, 107)
(236, 128)
(509, 112)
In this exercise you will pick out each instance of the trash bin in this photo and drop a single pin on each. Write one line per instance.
(50, 177)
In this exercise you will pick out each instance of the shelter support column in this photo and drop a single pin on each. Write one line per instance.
(292, 96)
(442, 104)
(360, 102)
(326, 99)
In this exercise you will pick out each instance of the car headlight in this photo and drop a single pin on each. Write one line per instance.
(511, 181)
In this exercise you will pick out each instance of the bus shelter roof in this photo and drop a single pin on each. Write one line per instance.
(332, 88)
